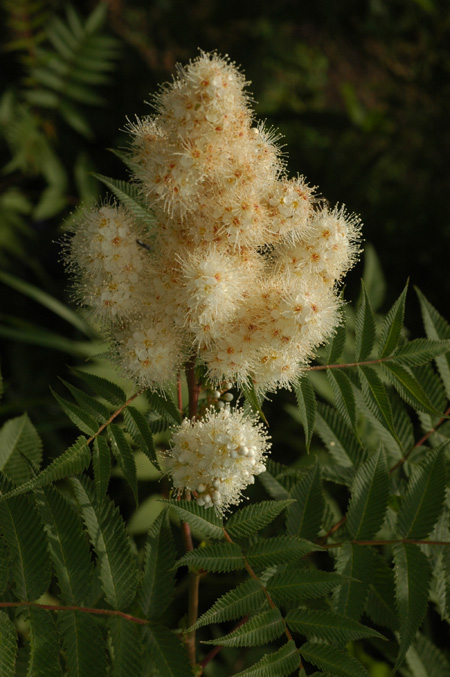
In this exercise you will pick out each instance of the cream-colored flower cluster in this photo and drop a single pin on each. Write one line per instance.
(217, 457)
(243, 262)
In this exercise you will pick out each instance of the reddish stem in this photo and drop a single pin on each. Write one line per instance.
(87, 610)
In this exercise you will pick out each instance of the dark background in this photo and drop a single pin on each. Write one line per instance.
(359, 90)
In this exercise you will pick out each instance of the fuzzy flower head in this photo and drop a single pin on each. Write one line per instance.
(217, 457)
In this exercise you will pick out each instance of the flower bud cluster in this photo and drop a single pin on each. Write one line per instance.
(217, 457)
(244, 262)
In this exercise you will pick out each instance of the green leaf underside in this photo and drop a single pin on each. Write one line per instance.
(368, 503)
(141, 433)
(157, 586)
(101, 464)
(126, 648)
(280, 663)
(364, 328)
(259, 630)
(424, 497)
(24, 536)
(83, 644)
(125, 457)
(168, 654)
(129, 196)
(279, 549)
(307, 407)
(376, 398)
(95, 408)
(255, 517)
(205, 520)
(44, 644)
(106, 529)
(73, 461)
(412, 581)
(409, 387)
(392, 326)
(20, 447)
(304, 517)
(328, 626)
(426, 660)
(332, 660)
(69, 550)
(8, 645)
(297, 584)
(164, 405)
(356, 563)
(246, 598)
(109, 391)
(219, 557)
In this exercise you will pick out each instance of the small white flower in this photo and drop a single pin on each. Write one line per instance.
(217, 457)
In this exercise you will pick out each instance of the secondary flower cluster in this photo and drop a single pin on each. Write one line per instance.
(241, 263)
(217, 457)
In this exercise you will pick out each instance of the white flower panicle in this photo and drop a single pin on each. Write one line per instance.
(244, 262)
(217, 457)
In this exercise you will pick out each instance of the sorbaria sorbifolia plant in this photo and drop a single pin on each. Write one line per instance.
(213, 275)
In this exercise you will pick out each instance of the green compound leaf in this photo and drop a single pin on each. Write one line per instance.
(83, 644)
(424, 659)
(356, 563)
(128, 194)
(279, 549)
(344, 397)
(424, 497)
(8, 645)
(254, 517)
(141, 433)
(165, 406)
(280, 663)
(381, 601)
(157, 586)
(205, 520)
(69, 550)
(126, 648)
(420, 351)
(328, 626)
(376, 398)
(108, 390)
(369, 498)
(24, 535)
(167, 653)
(73, 461)
(79, 417)
(101, 464)
(332, 660)
(336, 345)
(96, 409)
(412, 583)
(364, 328)
(246, 598)
(436, 328)
(260, 629)
(106, 529)
(409, 387)
(392, 326)
(307, 407)
(44, 644)
(304, 517)
(297, 584)
(252, 398)
(338, 438)
(219, 557)
(125, 457)
(20, 448)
